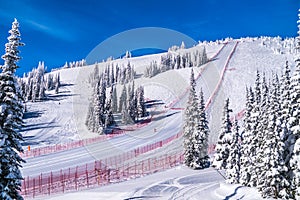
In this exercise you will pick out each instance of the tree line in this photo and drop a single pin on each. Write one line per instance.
(174, 60)
(35, 83)
(105, 104)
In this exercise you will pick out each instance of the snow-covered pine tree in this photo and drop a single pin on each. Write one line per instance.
(285, 91)
(98, 111)
(57, 84)
(123, 99)
(246, 162)
(132, 102)
(95, 76)
(285, 114)
(117, 73)
(141, 108)
(294, 121)
(182, 46)
(200, 137)
(127, 54)
(122, 75)
(183, 61)
(129, 73)
(126, 119)
(49, 82)
(10, 119)
(224, 140)
(106, 76)
(295, 166)
(42, 94)
(260, 136)
(38, 82)
(114, 102)
(256, 120)
(22, 86)
(191, 120)
(112, 75)
(29, 89)
(272, 181)
(204, 58)
(102, 89)
(109, 118)
(234, 159)
(89, 122)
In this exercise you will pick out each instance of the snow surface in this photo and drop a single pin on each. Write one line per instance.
(177, 183)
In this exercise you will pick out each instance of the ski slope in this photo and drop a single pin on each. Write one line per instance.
(165, 125)
(61, 119)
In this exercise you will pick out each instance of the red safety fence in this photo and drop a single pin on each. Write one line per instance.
(98, 173)
(95, 174)
(80, 143)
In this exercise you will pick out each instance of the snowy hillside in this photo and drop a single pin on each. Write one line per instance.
(60, 119)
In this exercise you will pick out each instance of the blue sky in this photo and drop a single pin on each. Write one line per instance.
(65, 30)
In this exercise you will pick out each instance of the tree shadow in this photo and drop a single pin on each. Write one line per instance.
(152, 103)
(37, 126)
(67, 84)
(163, 117)
(58, 97)
(234, 193)
(138, 75)
(34, 114)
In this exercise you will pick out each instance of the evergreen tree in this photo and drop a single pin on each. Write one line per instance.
(42, 90)
(191, 120)
(224, 141)
(97, 117)
(256, 134)
(272, 180)
(182, 46)
(114, 102)
(295, 166)
(260, 136)
(200, 137)
(294, 121)
(246, 162)
(10, 119)
(98, 111)
(204, 58)
(234, 164)
(132, 102)
(123, 99)
(29, 89)
(57, 84)
(112, 75)
(141, 108)
(126, 119)
(285, 101)
(127, 54)
(109, 119)
(49, 82)
(89, 122)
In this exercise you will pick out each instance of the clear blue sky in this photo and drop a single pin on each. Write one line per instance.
(56, 31)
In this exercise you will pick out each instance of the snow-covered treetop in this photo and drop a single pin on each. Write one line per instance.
(11, 49)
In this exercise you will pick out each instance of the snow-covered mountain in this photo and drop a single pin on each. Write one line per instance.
(61, 118)
(232, 66)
